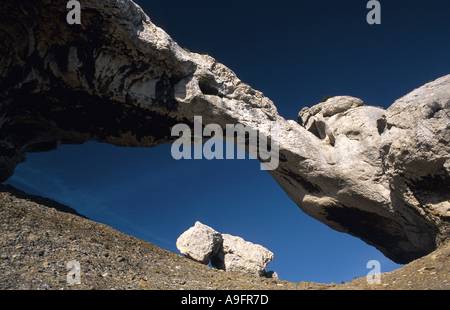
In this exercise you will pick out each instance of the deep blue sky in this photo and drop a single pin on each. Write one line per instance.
(295, 52)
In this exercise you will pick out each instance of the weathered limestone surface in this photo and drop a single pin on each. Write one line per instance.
(380, 175)
(202, 243)
(236, 254)
(199, 243)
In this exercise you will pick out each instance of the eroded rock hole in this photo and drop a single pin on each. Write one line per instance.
(207, 88)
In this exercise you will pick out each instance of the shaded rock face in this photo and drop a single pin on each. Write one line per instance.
(380, 175)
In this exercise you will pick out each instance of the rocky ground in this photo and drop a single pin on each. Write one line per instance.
(38, 237)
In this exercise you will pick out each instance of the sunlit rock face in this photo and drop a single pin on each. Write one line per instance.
(203, 244)
(379, 175)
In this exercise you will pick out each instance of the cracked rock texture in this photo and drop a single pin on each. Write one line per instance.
(379, 175)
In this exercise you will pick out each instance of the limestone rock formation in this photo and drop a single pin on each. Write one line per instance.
(380, 175)
(199, 243)
(236, 254)
(202, 243)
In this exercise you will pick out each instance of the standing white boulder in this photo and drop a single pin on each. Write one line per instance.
(237, 254)
(199, 243)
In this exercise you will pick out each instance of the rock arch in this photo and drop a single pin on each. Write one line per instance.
(380, 175)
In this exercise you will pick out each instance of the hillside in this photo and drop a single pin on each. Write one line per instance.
(40, 236)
